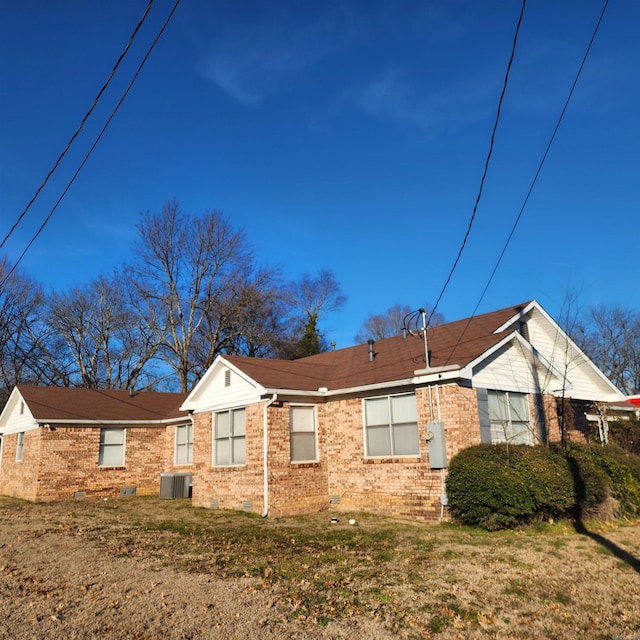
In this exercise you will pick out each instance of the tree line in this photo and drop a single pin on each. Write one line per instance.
(192, 290)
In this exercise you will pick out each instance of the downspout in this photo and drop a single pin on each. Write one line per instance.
(265, 456)
(444, 499)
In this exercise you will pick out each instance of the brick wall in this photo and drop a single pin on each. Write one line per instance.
(19, 479)
(343, 479)
(293, 488)
(62, 462)
(228, 487)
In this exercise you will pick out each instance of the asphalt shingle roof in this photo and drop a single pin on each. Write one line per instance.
(397, 358)
(65, 403)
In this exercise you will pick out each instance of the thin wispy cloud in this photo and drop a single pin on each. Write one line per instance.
(251, 64)
(394, 96)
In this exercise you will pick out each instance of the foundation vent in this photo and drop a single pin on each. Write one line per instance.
(247, 505)
(334, 499)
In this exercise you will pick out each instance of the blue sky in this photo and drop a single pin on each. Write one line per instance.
(345, 135)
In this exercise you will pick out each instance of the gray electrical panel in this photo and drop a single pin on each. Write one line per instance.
(437, 445)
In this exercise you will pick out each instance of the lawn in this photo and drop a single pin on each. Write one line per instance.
(151, 568)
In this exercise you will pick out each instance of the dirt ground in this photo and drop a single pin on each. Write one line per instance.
(146, 568)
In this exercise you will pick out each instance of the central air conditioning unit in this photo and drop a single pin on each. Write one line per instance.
(175, 485)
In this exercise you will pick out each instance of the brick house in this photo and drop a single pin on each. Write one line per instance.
(372, 427)
(59, 442)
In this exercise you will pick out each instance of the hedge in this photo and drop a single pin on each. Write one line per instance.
(503, 486)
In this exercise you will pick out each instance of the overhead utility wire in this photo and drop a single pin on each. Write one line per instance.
(535, 177)
(82, 123)
(486, 164)
(93, 146)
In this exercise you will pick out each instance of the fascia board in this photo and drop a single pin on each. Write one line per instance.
(218, 406)
(343, 391)
(490, 351)
(42, 422)
(28, 427)
(12, 401)
(202, 383)
(517, 316)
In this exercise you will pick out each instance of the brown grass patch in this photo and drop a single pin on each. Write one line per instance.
(150, 568)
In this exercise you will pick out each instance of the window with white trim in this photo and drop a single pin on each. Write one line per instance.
(510, 418)
(302, 420)
(229, 437)
(20, 446)
(184, 444)
(391, 426)
(111, 452)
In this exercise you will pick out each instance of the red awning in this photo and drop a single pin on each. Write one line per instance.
(635, 400)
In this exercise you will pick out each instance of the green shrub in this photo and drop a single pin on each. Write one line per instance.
(618, 471)
(500, 486)
(589, 484)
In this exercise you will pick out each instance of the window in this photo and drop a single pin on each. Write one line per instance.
(229, 437)
(184, 444)
(19, 446)
(303, 433)
(391, 426)
(509, 417)
(111, 448)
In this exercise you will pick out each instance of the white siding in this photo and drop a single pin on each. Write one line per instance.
(215, 394)
(512, 369)
(585, 381)
(16, 416)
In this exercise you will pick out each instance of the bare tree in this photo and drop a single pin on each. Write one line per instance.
(390, 323)
(309, 300)
(21, 329)
(198, 274)
(610, 336)
(105, 346)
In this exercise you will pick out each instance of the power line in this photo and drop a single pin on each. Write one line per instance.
(93, 146)
(82, 123)
(537, 173)
(486, 164)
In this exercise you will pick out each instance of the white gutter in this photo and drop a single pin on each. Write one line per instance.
(265, 457)
(125, 423)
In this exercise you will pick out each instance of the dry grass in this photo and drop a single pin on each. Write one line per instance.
(380, 577)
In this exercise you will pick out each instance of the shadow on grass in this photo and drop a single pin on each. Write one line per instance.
(580, 527)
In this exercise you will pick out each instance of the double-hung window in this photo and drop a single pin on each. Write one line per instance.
(391, 426)
(303, 433)
(111, 447)
(229, 437)
(509, 417)
(184, 444)
(19, 446)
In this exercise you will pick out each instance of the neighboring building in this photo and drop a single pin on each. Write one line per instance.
(59, 442)
(372, 427)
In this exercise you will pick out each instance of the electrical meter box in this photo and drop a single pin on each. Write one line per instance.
(437, 445)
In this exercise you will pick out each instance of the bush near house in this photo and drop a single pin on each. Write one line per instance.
(620, 472)
(504, 486)
(625, 434)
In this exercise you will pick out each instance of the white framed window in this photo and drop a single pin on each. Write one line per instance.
(111, 452)
(229, 437)
(303, 436)
(20, 446)
(391, 426)
(184, 444)
(509, 416)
